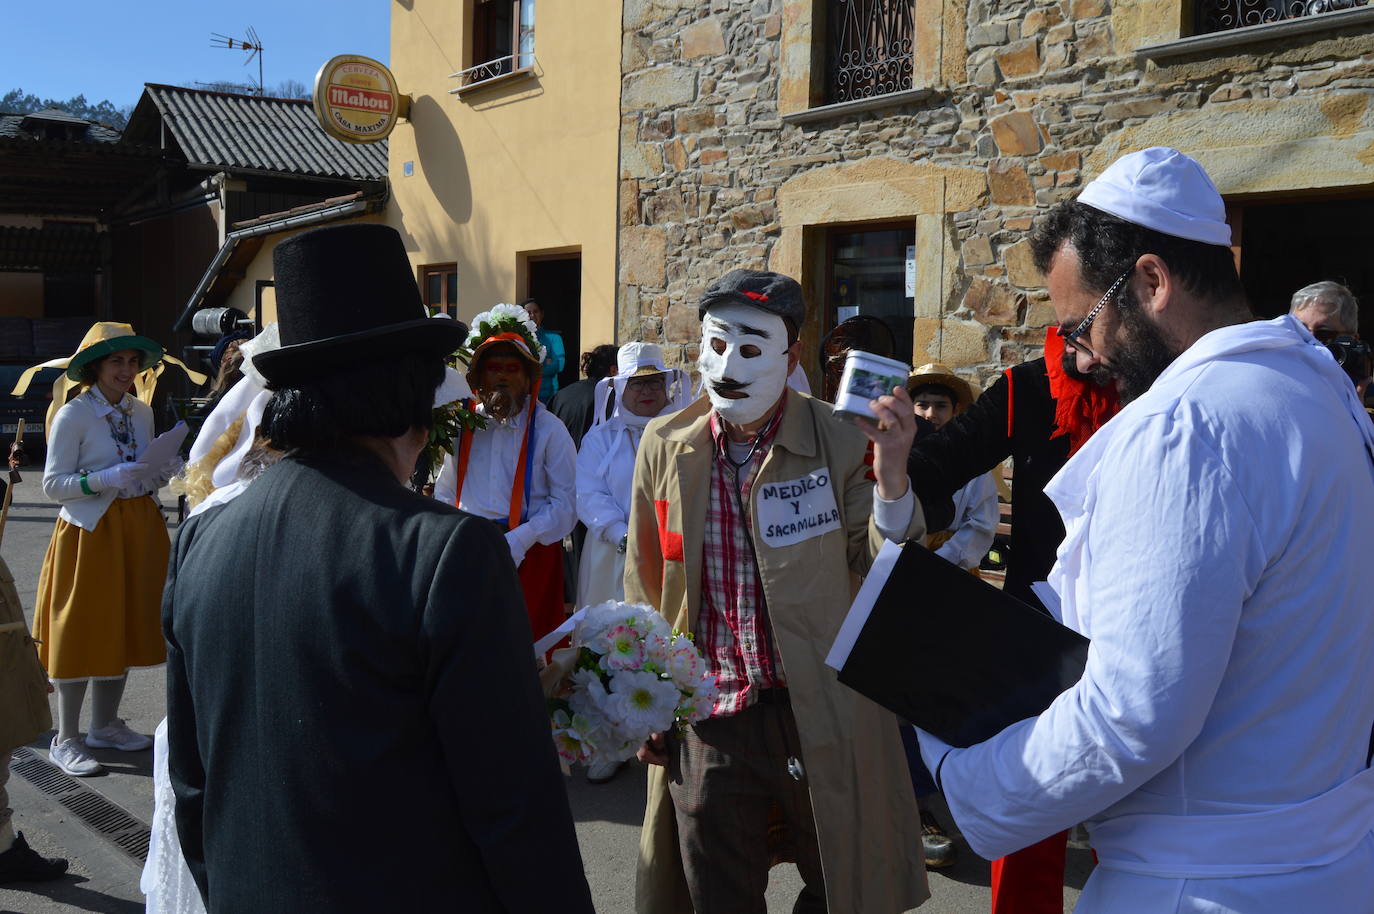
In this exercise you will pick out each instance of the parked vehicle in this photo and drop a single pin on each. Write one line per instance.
(32, 408)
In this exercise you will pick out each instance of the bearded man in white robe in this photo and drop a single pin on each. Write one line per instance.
(1218, 743)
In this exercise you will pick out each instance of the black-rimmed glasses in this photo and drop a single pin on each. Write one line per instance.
(1073, 338)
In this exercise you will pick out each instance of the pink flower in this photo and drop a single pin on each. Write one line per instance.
(623, 649)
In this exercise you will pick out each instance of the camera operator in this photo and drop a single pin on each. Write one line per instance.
(1328, 309)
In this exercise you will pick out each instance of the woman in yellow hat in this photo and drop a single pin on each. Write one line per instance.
(97, 611)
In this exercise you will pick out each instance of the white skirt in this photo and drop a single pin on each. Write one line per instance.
(166, 880)
(601, 575)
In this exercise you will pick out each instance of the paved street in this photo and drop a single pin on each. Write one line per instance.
(104, 879)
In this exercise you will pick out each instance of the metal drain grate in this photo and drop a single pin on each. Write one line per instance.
(111, 822)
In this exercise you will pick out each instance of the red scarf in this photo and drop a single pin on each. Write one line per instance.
(1080, 407)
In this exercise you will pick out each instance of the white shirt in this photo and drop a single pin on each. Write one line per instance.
(80, 441)
(551, 514)
(605, 476)
(1215, 556)
(975, 523)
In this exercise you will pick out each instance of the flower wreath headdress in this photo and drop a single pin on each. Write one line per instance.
(504, 323)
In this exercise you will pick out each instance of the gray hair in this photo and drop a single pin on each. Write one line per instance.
(1334, 297)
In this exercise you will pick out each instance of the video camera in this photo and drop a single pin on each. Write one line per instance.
(1353, 355)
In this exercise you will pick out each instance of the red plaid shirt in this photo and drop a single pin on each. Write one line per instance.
(732, 627)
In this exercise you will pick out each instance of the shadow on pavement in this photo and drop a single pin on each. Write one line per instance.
(139, 764)
(620, 801)
(68, 890)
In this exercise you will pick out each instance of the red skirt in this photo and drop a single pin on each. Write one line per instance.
(541, 579)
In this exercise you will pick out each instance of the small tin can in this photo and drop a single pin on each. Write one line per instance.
(867, 377)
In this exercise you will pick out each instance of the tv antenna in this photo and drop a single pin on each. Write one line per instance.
(252, 44)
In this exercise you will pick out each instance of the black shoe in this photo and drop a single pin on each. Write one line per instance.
(22, 863)
(939, 847)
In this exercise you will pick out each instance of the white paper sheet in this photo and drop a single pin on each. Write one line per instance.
(541, 647)
(863, 604)
(161, 450)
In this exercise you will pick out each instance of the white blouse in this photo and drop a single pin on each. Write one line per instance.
(552, 512)
(80, 442)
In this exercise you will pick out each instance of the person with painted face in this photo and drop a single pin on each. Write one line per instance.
(518, 472)
(750, 511)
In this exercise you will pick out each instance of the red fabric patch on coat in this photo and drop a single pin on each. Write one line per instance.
(868, 459)
(669, 543)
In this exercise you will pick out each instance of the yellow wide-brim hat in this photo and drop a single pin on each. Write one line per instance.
(106, 338)
(943, 375)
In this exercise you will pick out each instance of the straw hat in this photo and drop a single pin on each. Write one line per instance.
(106, 338)
(935, 373)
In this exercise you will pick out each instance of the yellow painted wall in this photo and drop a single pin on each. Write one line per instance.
(516, 169)
(245, 293)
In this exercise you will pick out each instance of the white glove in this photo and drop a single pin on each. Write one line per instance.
(119, 476)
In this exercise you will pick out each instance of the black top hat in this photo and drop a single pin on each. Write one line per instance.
(346, 292)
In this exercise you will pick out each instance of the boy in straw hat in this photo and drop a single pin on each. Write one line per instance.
(938, 395)
(520, 471)
(1218, 742)
(338, 643)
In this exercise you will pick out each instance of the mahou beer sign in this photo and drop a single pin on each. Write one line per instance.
(356, 99)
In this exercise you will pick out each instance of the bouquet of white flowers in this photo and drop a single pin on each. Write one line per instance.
(634, 676)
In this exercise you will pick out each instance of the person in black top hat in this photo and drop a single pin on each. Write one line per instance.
(343, 652)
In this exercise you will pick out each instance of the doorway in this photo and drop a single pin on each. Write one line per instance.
(556, 283)
(1287, 245)
(869, 271)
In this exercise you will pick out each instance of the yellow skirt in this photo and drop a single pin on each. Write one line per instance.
(99, 605)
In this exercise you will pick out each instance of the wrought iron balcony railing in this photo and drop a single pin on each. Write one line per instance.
(492, 69)
(1223, 15)
(870, 44)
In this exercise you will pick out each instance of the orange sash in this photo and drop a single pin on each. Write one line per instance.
(517, 492)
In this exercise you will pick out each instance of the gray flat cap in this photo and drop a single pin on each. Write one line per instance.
(771, 292)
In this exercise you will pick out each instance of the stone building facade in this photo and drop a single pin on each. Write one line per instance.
(735, 152)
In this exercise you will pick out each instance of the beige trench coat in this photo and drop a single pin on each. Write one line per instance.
(24, 710)
(866, 817)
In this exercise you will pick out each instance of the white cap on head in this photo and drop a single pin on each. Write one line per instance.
(631, 358)
(1162, 189)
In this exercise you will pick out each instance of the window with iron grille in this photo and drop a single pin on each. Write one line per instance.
(1223, 15)
(869, 46)
(502, 39)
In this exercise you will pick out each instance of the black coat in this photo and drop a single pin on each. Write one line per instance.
(354, 717)
(983, 436)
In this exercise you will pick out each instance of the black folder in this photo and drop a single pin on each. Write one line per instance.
(951, 653)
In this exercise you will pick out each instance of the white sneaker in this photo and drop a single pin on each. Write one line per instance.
(601, 772)
(71, 757)
(117, 735)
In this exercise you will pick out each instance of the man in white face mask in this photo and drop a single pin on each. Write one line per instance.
(750, 510)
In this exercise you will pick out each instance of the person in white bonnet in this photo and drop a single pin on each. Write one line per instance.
(1218, 743)
(643, 388)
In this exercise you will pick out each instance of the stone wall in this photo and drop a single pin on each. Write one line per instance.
(1048, 94)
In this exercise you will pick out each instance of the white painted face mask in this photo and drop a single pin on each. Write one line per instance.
(743, 349)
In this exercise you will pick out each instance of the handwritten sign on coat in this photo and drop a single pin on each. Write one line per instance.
(798, 509)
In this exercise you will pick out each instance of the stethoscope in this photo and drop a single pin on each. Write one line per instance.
(794, 765)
